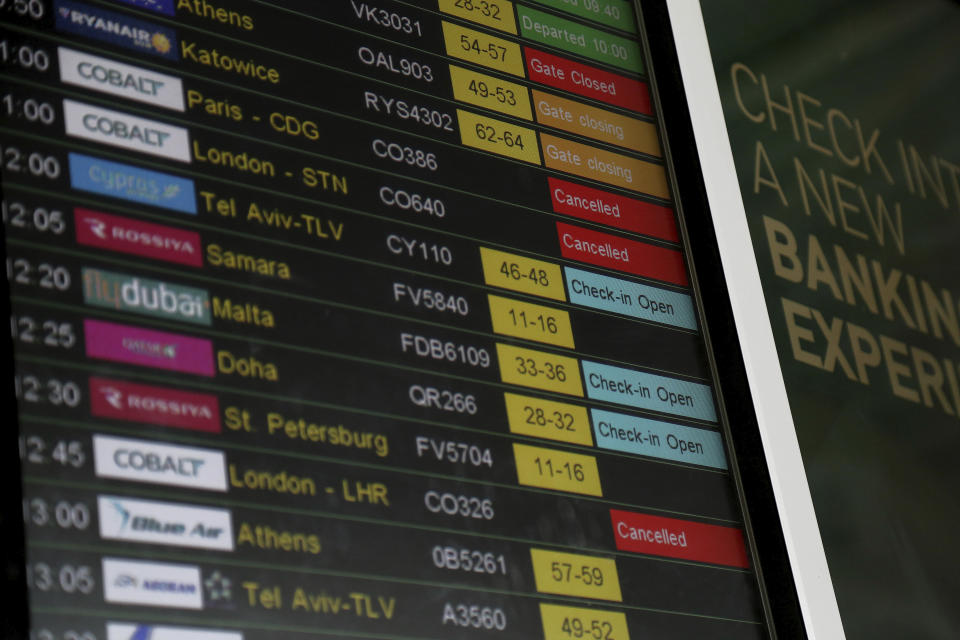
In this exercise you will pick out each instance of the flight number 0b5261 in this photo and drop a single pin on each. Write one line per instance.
(468, 560)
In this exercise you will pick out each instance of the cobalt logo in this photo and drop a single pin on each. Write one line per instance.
(155, 584)
(155, 463)
(125, 131)
(127, 182)
(119, 79)
(164, 523)
(115, 28)
(126, 631)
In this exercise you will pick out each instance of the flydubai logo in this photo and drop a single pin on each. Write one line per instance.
(121, 400)
(145, 296)
(126, 235)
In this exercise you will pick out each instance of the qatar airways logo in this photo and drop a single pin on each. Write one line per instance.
(126, 235)
(163, 406)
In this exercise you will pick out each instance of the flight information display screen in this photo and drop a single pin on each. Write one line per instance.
(357, 319)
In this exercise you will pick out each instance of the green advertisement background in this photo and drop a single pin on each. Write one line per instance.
(884, 472)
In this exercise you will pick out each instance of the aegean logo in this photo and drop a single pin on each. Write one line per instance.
(127, 182)
(144, 296)
(115, 28)
(126, 131)
(156, 463)
(164, 523)
(155, 584)
(127, 631)
(119, 79)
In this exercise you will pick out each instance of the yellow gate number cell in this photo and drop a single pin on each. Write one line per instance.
(483, 49)
(548, 419)
(571, 574)
(564, 623)
(559, 470)
(498, 137)
(497, 14)
(526, 275)
(492, 93)
(531, 321)
(539, 370)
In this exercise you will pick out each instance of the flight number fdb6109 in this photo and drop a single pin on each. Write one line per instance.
(475, 616)
(469, 560)
(444, 350)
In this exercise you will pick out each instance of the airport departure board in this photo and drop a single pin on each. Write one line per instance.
(357, 319)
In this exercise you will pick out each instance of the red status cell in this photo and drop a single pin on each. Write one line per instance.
(613, 210)
(674, 538)
(622, 254)
(587, 81)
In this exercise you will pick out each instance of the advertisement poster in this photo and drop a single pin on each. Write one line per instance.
(842, 118)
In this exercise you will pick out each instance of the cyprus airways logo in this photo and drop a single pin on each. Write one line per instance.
(115, 28)
(162, 406)
(126, 235)
(164, 523)
(124, 181)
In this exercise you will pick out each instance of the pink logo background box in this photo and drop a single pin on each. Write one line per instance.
(147, 348)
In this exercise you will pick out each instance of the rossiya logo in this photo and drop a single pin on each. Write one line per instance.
(164, 523)
(162, 406)
(148, 297)
(115, 28)
(155, 584)
(159, 463)
(143, 186)
(127, 631)
(97, 229)
(148, 348)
